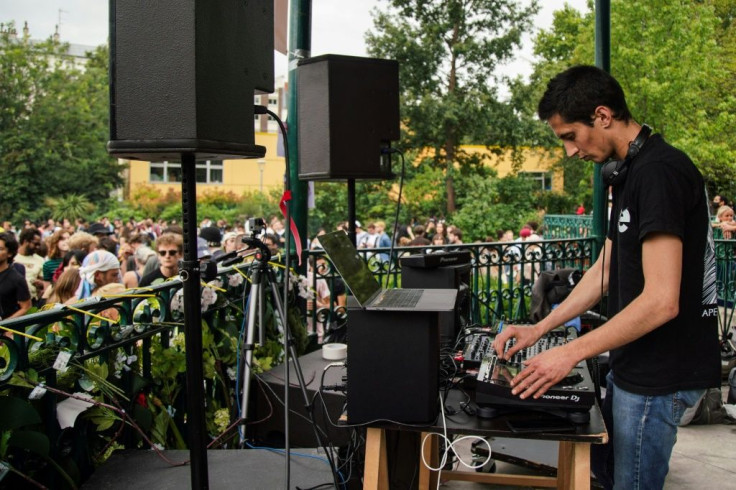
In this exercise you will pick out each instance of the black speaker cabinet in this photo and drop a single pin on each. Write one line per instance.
(269, 409)
(393, 366)
(444, 277)
(183, 75)
(348, 112)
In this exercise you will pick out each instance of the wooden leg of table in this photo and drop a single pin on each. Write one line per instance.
(430, 448)
(573, 466)
(375, 475)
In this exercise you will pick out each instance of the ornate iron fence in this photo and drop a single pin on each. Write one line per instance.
(501, 274)
(127, 350)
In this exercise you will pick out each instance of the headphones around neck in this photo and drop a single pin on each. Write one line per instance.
(613, 172)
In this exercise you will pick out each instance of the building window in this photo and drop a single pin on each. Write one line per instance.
(208, 172)
(543, 178)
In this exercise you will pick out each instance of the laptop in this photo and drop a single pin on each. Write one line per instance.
(366, 289)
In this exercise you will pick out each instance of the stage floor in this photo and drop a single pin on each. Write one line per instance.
(227, 469)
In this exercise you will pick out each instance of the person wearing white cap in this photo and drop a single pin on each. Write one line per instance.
(360, 233)
(99, 268)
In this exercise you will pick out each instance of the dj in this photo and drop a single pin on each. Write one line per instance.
(658, 266)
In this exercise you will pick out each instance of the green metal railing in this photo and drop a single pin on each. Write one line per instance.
(501, 274)
(568, 226)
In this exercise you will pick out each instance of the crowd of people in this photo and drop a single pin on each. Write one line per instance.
(433, 233)
(60, 262)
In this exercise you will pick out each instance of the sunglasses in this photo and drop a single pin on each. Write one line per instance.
(171, 253)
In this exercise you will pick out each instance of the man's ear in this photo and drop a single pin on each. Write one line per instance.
(604, 115)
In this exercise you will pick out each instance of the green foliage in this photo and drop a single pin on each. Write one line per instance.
(373, 201)
(147, 201)
(690, 102)
(492, 204)
(72, 207)
(448, 53)
(53, 128)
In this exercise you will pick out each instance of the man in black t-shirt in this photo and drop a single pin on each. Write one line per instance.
(658, 265)
(169, 247)
(15, 299)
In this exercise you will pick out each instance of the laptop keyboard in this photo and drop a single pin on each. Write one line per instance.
(398, 298)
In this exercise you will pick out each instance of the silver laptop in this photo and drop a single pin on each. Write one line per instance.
(368, 292)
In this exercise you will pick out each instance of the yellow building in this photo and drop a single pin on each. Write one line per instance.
(264, 174)
(536, 164)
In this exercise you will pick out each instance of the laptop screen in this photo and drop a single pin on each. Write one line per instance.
(351, 267)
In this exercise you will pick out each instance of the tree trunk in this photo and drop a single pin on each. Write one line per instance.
(450, 181)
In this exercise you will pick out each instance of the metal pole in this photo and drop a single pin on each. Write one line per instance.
(261, 165)
(300, 46)
(603, 61)
(351, 210)
(196, 427)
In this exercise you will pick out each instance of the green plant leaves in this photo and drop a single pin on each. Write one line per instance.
(17, 413)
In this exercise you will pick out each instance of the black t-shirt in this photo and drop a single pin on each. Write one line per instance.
(664, 193)
(338, 288)
(13, 288)
(152, 278)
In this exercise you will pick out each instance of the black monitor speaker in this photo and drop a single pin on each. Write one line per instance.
(348, 113)
(183, 75)
(393, 366)
(444, 277)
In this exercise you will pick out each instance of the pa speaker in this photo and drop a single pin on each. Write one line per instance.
(183, 75)
(348, 113)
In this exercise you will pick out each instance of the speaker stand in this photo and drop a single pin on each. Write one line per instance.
(189, 272)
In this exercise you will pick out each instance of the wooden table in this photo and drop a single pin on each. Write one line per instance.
(573, 461)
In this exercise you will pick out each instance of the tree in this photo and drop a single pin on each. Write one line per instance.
(53, 128)
(493, 204)
(448, 53)
(682, 85)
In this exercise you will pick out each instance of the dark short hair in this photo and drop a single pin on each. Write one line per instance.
(10, 243)
(576, 92)
(27, 235)
(76, 253)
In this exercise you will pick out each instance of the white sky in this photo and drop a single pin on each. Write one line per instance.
(338, 26)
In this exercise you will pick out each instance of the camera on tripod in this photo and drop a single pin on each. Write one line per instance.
(255, 227)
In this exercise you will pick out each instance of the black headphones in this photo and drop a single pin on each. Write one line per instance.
(613, 172)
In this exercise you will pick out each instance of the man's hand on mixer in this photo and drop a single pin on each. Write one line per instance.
(544, 371)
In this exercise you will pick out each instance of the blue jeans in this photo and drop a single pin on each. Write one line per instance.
(642, 431)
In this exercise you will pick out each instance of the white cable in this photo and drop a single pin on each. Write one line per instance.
(450, 446)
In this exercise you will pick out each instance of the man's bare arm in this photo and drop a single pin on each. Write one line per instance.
(586, 294)
(657, 304)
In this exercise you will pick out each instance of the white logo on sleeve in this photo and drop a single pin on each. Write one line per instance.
(623, 220)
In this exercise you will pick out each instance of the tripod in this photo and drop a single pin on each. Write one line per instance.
(262, 275)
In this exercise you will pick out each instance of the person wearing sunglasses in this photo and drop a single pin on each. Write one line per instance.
(169, 249)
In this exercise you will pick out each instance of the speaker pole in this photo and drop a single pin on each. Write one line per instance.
(351, 210)
(196, 426)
